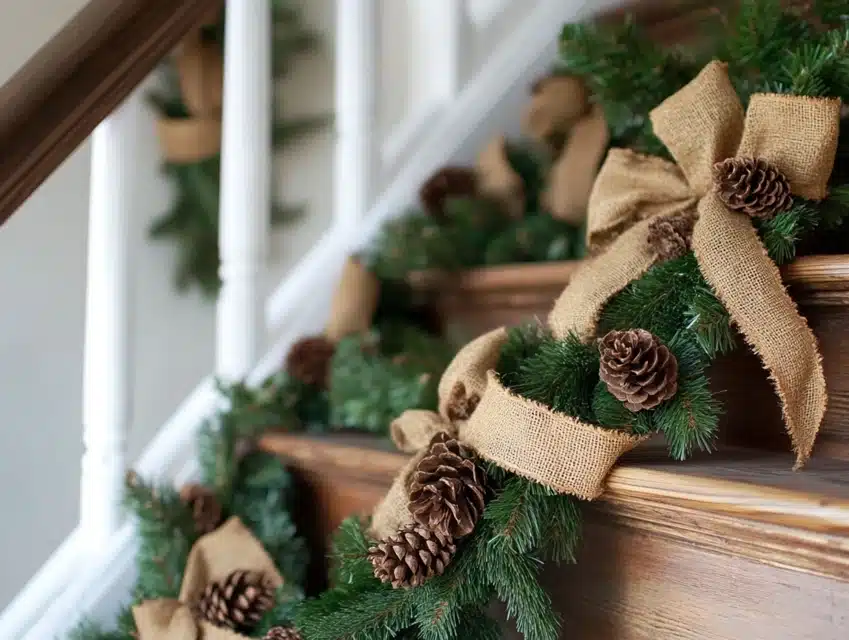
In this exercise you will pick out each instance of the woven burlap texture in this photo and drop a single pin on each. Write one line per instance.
(213, 557)
(522, 436)
(469, 368)
(702, 124)
(571, 178)
(354, 301)
(557, 104)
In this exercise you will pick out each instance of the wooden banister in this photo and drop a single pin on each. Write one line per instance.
(80, 76)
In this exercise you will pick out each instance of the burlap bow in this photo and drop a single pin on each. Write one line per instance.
(703, 124)
(517, 434)
(214, 556)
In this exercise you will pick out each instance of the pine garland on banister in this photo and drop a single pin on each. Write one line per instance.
(628, 343)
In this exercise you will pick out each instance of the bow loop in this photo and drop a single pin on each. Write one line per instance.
(701, 124)
(796, 134)
(213, 557)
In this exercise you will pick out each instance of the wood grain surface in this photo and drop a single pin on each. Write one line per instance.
(78, 78)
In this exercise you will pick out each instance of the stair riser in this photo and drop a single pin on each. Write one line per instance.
(632, 585)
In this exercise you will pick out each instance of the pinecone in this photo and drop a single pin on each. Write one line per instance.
(309, 360)
(670, 236)
(752, 186)
(282, 633)
(411, 556)
(638, 369)
(447, 490)
(238, 602)
(204, 505)
(446, 183)
(460, 405)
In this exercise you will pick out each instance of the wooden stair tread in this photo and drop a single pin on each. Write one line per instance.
(745, 503)
(758, 485)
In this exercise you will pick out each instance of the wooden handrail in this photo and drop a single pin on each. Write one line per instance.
(57, 99)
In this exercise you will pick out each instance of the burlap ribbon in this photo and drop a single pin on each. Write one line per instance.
(354, 301)
(216, 555)
(702, 124)
(517, 434)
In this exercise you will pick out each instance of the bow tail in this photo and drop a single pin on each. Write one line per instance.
(579, 307)
(735, 263)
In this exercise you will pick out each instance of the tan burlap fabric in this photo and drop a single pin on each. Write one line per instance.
(498, 180)
(573, 174)
(551, 448)
(414, 430)
(354, 301)
(519, 435)
(557, 104)
(469, 367)
(702, 124)
(200, 70)
(213, 557)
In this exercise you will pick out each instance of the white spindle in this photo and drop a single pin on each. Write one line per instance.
(356, 75)
(246, 164)
(445, 30)
(107, 368)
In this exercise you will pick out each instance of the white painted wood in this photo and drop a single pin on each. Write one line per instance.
(357, 30)
(107, 383)
(246, 164)
(445, 31)
(483, 12)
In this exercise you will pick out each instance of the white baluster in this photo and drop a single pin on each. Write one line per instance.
(445, 23)
(356, 75)
(107, 374)
(246, 164)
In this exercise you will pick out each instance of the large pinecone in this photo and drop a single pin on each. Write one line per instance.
(411, 556)
(447, 491)
(638, 369)
(204, 505)
(446, 183)
(238, 602)
(282, 633)
(671, 236)
(752, 186)
(309, 360)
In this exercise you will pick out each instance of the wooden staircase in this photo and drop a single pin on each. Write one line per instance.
(730, 546)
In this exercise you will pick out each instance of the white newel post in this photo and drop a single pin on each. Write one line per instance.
(357, 33)
(246, 165)
(107, 371)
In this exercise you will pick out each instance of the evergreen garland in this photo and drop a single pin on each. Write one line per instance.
(192, 220)
(476, 232)
(249, 484)
(525, 523)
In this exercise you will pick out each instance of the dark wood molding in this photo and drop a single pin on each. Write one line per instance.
(57, 99)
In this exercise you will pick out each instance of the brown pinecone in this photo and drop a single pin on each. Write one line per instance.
(204, 505)
(637, 368)
(670, 236)
(460, 405)
(238, 602)
(446, 183)
(309, 360)
(411, 556)
(282, 633)
(447, 491)
(752, 186)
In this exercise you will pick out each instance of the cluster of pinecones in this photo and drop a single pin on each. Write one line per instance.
(447, 498)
